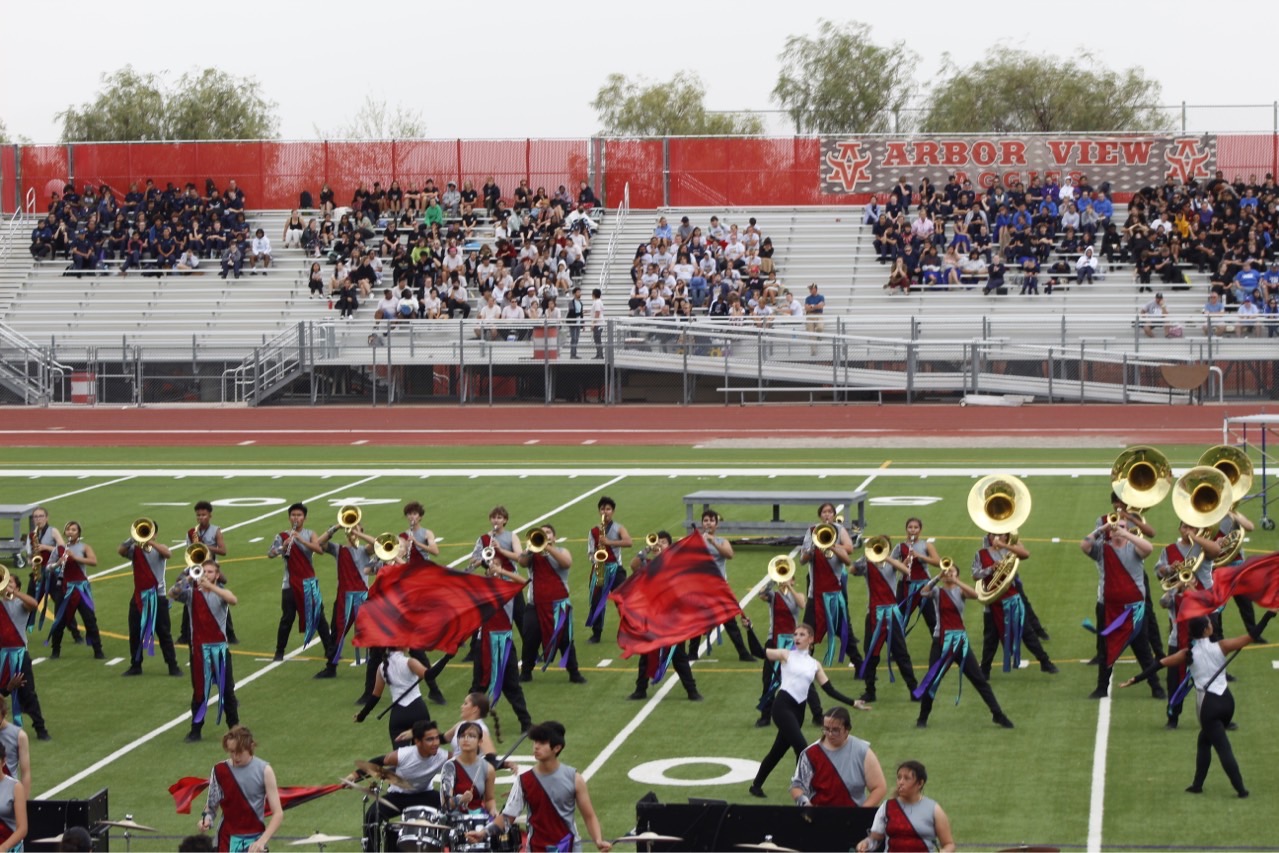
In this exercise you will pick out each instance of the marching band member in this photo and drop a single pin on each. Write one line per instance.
(1236, 519)
(15, 660)
(300, 590)
(16, 747)
(917, 554)
(419, 540)
(548, 621)
(799, 671)
(721, 551)
(785, 605)
(827, 607)
(208, 604)
(243, 787)
(839, 769)
(1206, 660)
(355, 568)
(468, 782)
(1004, 621)
(506, 550)
(75, 556)
(209, 535)
(418, 764)
(1121, 600)
(910, 821)
(652, 666)
(400, 672)
(495, 670)
(13, 810)
(1137, 522)
(475, 708)
(1189, 545)
(148, 608)
(950, 646)
(45, 541)
(884, 622)
(611, 537)
(551, 791)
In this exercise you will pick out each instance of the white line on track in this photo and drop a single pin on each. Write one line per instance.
(239, 684)
(671, 681)
(1097, 801)
(81, 491)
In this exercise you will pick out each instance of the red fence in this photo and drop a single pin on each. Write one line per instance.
(678, 171)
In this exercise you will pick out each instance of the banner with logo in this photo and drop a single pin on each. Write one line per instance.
(873, 164)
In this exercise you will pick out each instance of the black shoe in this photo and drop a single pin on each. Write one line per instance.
(868, 696)
(762, 723)
(921, 723)
(1232, 726)
(1099, 693)
(1049, 667)
(330, 671)
(192, 737)
(526, 677)
(746, 658)
(638, 696)
(133, 670)
(43, 734)
(277, 657)
(1158, 693)
(1096, 661)
(98, 654)
(757, 791)
(577, 678)
(1243, 793)
(593, 639)
(175, 670)
(1194, 789)
(55, 654)
(694, 696)
(436, 696)
(1002, 720)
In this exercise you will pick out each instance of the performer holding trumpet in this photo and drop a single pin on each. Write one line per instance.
(884, 621)
(209, 535)
(828, 549)
(917, 554)
(148, 610)
(300, 590)
(75, 556)
(652, 666)
(355, 568)
(604, 544)
(210, 662)
(548, 620)
(419, 542)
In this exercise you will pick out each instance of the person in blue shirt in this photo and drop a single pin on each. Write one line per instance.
(663, 229)
(1247, 280)
(1104, 206)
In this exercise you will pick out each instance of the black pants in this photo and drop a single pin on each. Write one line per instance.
(1140, 647)
(512, 691)
(1152, 625)
(901, 656)
(1215, 713)
(532, 637)
(57, 592)
(230, 705)
(1247, 614)
(679, 661)
(972, 672)
(768, 675)
(787, 716)
(163, 632)
(734, 633)
(402, 718)
(378, 818)
(28, 701)
(68, 618)
(289, 614)
(991, 639)
(597, 333)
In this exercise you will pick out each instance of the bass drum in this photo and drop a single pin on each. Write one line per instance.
(508, 842)
(421, 837)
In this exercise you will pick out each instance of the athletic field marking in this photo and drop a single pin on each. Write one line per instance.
(533, 441)
(605, 662)
(672, 679)
(119, 479)
(589, 441)
(35, 661)
(360, 441)
(569, 472)
(1274, 664)
(114, 661)
(1097, 802)
(682, 432)
(247, 443)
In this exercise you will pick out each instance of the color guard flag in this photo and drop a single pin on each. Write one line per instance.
(1256, 579)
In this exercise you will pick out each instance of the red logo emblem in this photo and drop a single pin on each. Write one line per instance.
(848, 165)
(1186, 160)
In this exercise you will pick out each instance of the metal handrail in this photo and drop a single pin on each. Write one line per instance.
(623, 208)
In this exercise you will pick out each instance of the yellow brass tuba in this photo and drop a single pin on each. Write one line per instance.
(142, 532)
(1237, 467)
(1201, 498)
(1000, 504)
(349, 516)
(1141, 477)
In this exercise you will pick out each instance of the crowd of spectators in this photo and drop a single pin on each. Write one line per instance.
(150, 228)
(1060, 233)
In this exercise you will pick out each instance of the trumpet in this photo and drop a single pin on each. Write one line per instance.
(488, 554)
(142, 532)
(824, 538)
(195, 573)
(650, 541)
(877, 549)
(537, 540)
(386, 547)
(196, 554)
(781, 570)
(349, 517)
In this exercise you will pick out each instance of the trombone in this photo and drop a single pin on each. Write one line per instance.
(824, 538)
(537, 540)
(877, 549)
(349, 517)
(195, 555)
(781, 571)
(142, 532)
(386, 547)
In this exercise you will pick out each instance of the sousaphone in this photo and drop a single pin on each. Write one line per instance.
(1201, 497)
(999, 503)
(1237, 467)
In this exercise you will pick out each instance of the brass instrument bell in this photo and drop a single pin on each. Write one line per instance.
(142, 532)
(537, 540)
(824, 538)
(196, 554)
(386, 547)
(1141, 477)
(999, 503)
(650, 541)
(877, 549)
(781, 570)
(349, 516)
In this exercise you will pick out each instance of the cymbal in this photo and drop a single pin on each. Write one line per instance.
(128, 823)
(423, 823)
(319, 838)
(57, 839)
(368, 768)
(647, 837)
(386, 804)
(767, 845)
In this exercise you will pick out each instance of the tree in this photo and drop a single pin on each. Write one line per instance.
(675, 108)
(1020, 92)
(375, 120)
(842, 82)
(4, 132)
(209, 105)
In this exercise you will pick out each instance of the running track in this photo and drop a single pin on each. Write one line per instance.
(608, 425)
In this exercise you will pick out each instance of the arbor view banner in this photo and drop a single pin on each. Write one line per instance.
(1129, 162)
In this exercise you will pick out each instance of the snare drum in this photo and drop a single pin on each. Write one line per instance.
(422, 837)
(469, 822)
(508, 841)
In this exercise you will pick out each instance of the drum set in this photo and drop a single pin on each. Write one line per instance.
(428, 828)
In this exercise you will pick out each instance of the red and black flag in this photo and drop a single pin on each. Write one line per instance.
(678, 595)
(1256, 579)
(428, 607)
(186, 789)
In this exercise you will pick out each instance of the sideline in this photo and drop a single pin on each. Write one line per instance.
(426, 473)
(249, 679)
(1097, 801)
(671, 680)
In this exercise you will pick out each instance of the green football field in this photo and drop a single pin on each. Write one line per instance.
(1074, 773)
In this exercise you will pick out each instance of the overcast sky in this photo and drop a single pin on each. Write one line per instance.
(499, 69)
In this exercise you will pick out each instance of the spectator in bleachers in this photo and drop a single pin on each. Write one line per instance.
(232, 260)
(432, 307)
(1271, 318)
(512, 314)
(188, 261)
(457, 301)
(260, 251)
(451, 200)
(491, 194)
(586, 196)
(1086, 267)
(995, 275)
(1029, 275)
(1247, 318)
(662, 231)
(1214, 312)
(388, 309)
(972, 268)
(347, 301)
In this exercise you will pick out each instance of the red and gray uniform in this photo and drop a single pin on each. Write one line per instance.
(833, 777)
(14, 659)
(78, 598)
(551, 800)
(827, 601)
(210, 662)
(241, 793)
(354, 563)
(458, 778)
(8, 817)
(549, 597)
(416, 538)
(907, 826)
(1121, 592)
(146, 603)
(909, 588)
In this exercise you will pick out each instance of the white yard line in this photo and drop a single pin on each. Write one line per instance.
(119, 479)
(870, 471)
(1097, 802)
(671, 680)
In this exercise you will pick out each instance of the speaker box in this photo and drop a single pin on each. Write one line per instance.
(711, 825)
(47, 818)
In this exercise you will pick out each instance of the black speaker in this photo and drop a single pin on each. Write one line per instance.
(49, 818)
(710, 825)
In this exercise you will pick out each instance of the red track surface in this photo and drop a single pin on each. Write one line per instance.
(619, 425)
